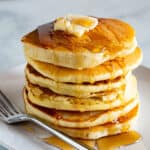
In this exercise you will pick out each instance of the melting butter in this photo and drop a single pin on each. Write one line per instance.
(75, 24)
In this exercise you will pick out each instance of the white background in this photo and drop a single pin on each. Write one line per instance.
(18, 17)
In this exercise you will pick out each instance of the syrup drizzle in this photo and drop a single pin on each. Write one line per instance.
(101, 38)
(43, 34)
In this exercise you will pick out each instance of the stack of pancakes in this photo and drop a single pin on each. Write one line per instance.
(83, 86)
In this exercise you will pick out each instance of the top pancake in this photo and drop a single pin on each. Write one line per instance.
(109, 39)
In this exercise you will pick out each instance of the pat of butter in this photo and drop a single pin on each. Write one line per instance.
(75, 24)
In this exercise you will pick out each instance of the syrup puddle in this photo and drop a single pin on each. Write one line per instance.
(105, 143)
(58, 143)
(116, 141)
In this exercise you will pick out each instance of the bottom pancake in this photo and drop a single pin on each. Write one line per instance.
(122, 124)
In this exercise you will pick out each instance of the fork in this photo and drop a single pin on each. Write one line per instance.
(10, 114)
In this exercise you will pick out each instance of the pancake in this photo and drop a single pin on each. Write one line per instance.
(108, 70)
(108, 95)
(122, 124)
(109, 39)
(80, 119)
(85, 90)
(46, 98)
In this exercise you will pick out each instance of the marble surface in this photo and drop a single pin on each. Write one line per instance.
(18, 17)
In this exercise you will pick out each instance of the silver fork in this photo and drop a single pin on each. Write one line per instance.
(10, 114)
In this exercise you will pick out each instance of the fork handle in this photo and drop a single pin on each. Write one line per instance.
(60, 135)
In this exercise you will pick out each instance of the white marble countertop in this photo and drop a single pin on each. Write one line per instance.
(18, 17)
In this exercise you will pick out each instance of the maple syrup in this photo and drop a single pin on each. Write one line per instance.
(65, 146)
(99, 39)
(58, 143)
(90, 143)
(82, 22)
(116, 141)
(105, 143)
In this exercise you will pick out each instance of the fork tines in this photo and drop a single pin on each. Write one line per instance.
(6, 107)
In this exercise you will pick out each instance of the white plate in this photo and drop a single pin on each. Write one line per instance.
(12, 82)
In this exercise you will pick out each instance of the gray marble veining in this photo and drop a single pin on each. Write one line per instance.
(18, 17)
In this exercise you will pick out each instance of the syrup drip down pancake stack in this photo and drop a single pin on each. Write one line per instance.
(79, 75)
